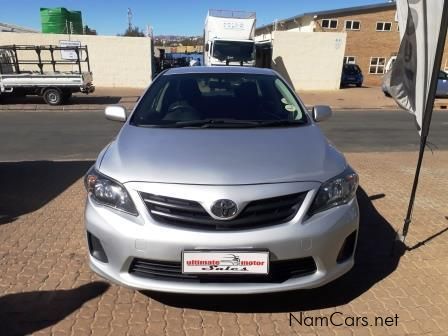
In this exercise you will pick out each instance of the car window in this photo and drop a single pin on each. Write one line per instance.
(233, 50)
(352, 68)
(243, 97)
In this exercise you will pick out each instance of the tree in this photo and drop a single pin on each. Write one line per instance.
(134, 32)
(89, 31)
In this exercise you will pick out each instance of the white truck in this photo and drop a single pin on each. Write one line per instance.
(229, 38)
(36, 70)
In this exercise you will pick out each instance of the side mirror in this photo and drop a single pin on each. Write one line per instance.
(207, 47)
(321, 113)
(116, 113)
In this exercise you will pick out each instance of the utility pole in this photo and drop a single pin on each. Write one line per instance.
(129, 19)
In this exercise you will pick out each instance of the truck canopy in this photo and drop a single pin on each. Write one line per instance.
(223, 13)
(231, 25)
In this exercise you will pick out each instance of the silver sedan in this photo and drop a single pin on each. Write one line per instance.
(221, 182)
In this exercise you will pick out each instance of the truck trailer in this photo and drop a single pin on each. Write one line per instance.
(229, 38)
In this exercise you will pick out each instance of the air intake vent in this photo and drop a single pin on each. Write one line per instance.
(279, 271)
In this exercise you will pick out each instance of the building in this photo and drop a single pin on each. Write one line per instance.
(6, 27)
(372, 34)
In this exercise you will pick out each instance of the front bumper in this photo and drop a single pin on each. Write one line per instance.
(125, 237)
(356, 81)
(88, 89)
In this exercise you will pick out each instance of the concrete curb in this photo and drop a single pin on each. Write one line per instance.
(64, 108)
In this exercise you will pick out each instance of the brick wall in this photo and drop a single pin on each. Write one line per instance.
(367, 42)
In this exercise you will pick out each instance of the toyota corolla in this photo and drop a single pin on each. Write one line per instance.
(221, 182)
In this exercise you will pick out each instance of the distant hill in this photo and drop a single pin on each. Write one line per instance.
(177, 40)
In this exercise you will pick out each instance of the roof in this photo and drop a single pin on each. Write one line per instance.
(365, 8)
(219, 70)
(223, 13)
(7, 27)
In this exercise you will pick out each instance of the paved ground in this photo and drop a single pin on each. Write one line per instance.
(79, 136)
(47, 288)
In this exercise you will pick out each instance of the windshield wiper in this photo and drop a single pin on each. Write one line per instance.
(225, 123)
(209, 123)
(275, 123)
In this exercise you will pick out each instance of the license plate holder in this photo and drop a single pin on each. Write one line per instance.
(214, 262)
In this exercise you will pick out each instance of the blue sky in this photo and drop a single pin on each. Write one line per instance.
(169, 17)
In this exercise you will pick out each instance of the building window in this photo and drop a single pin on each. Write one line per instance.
(383, 26)
(330, 23)
(352, 25)
(349, 60)
(377, 65)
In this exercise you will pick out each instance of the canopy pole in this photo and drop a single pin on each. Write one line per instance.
(402, 237)
(429, 107)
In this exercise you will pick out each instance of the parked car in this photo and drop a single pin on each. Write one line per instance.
(197, 175)
(442, 85)
(351, 75)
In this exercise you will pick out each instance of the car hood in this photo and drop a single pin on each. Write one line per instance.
(221, 156)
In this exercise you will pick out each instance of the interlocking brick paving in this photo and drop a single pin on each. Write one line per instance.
(47, 288)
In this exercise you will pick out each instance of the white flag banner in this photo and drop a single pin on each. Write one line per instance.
(419, 23)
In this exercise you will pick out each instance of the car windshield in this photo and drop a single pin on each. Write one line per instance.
(218, 100)
(233, 50)
(352, 69)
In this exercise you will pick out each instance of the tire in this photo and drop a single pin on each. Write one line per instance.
(358, 84)
(53, 96)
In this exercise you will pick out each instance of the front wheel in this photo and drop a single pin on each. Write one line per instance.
(53, 96)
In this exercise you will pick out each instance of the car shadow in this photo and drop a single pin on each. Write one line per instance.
(374, 262)
(27, 186)
(28, 312)
(100, 100)
(346, 87)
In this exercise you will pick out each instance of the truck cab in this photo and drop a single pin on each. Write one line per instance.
(229, 38)
(230, 52)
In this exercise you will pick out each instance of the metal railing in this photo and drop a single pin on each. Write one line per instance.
(11, 57)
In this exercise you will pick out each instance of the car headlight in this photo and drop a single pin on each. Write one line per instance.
(336, 191)
(106, 191)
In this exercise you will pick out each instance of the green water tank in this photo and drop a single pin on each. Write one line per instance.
(61, 21)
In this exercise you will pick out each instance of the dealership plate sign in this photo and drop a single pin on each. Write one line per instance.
(225, 262)
(70, 54)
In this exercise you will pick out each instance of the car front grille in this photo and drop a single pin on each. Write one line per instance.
(279, 271)
(259, 213)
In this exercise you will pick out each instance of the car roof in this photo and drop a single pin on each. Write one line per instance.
(219, 70)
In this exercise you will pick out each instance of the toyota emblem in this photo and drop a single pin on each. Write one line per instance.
(224, 208)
